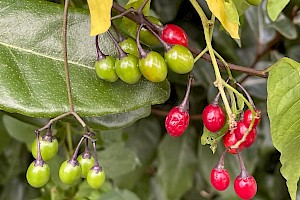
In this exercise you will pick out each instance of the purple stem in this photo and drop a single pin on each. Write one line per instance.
(247, 94)
(142, 52)
(100, 55)
(166, 46)
(122, 53)
(244, 173)
(184, 106)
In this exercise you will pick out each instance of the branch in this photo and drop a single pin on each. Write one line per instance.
(247, 70)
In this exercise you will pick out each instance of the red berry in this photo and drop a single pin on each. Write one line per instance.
(177, 121)
(246, 187)
(213, 117)
(240, 131)
(219, 178)
(229, 139)
(173, 34)
(248, 118)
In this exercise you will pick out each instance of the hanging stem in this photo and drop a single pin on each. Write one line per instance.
(122, 53)
(218, 83)
(185, 102)
(65, 52)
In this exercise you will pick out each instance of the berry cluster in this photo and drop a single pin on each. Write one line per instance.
(85, 165)
(244, 184)
(134, 61)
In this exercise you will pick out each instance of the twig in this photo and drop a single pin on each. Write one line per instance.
(250, 71)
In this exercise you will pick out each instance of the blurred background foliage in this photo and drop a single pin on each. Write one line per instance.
(142, 161)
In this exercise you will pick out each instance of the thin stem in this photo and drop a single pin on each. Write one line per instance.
(200, 54)
(184, 106)
(125, 12)
(39, 160)
(74, 157)
(140, 10)
(247, 94)
(65, 52)
(122, 53)
(166, 46)
(225, 65)
(221, 161)
(244, 173)
(120, 37)
(142, 52)
(95, 154)
(83, 124)
(100, 55)
(51, 121)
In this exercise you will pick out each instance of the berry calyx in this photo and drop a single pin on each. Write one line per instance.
(213, 117)
(239, 132)
(248, 118)
(229, 140)
(96, 177)
(86, 162)
(245, 187)
(38, 174)
(173, 34)
(179, 59)
(69, 172)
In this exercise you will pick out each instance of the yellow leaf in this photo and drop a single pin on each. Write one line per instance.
(227, 14)
(100, 11)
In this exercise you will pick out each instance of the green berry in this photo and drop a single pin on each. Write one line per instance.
(69, 172)
(147, 37)
(129, 46)
(105, 69)
(86, 164)
(127, 69)
(37, 176)
(179, 59)
(153, 67)
(96, 177)
(48, 148)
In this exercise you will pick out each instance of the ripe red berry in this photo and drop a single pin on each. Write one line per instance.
(245, 187)
(229, 139)
(219, 178)
(173, 34)
(177, 121)
(248, 118)
(240, 131)
(213, 117)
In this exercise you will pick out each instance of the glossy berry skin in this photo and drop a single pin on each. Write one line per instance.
(38, 176)
(95, 178)
(129, 46)
(153, 67)
(177, 121)
(68, 173)
(179, 59)
(85, 164)
(173, 34)
(246, 187)
(229, 139)
(239, 132)
(254, 2)
(213, 117)
(105, 69)
(127, 69)
(248, 118)
(147, 37)
(219, 179)
(48, 148)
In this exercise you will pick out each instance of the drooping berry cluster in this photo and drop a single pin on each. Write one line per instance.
(244, 184)
(134, 61)
(85, 166)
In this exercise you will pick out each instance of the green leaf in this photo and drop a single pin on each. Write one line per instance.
(32, 80)
(283, 110)
(117, 160)
(213, 138)
(274, 7)
(285, 26)
(177, 163)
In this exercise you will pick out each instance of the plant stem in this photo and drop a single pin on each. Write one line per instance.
(65, 52)
(225, 65)
(51, 121)
(200, 54)
(218, 82)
